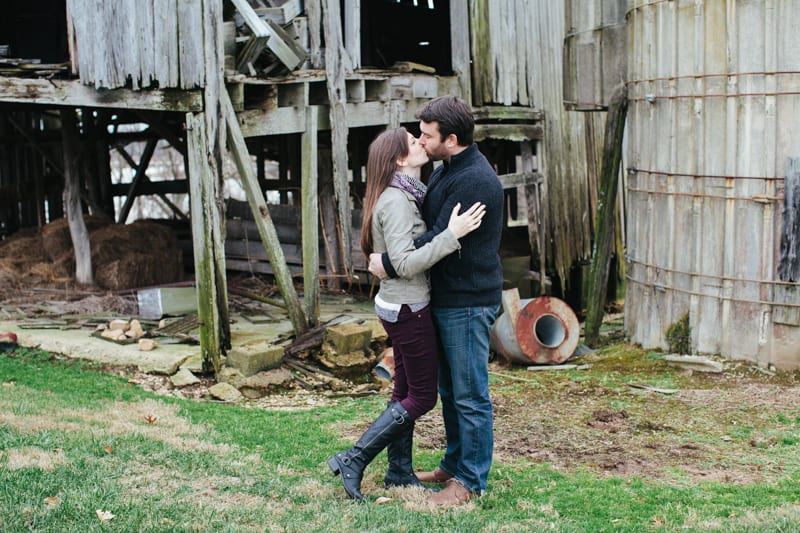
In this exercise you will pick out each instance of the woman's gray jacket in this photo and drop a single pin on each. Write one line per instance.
(396, 222)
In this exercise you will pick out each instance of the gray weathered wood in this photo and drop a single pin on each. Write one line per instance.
(213, 83)
(139, 176)
(190, 45)
(165, 42)
(74, 93)
(310, 219)
(201, 181)
(315, 52)
(72, 198)
(352, 31)
(261, 215)
(336, 67)
(604, 238)
(459, 42)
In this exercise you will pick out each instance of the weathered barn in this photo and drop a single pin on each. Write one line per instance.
(300, 87)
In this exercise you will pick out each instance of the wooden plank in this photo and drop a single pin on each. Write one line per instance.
(310, 217)
(460, 47)
(497, 112)
(146, 68)
(509, 132)
(282, 14)
(517, 179)
(201, 184)
(483, 76)
(352, 32)
(74, 93)
(285, 48)
(190, 45)
(279, 43)
(604, 238)
(258, 206)
(165, 43)
(335, 70)
(251, 18)
(314, 14)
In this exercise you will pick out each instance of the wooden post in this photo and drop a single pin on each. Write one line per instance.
(72, 198)
(266, 229)
(335, 68)
(202, 204)
(310, 215)
(604, 237)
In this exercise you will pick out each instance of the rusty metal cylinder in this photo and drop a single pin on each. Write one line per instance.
(546, 331)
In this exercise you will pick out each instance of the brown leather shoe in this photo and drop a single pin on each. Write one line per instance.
(437, 476)
(452, 495)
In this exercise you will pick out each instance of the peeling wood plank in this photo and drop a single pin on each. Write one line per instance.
(74, 93)
(509, 132)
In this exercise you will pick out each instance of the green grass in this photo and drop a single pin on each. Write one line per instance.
(74, 440)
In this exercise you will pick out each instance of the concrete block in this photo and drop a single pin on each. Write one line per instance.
(345, 338)
(251, 359)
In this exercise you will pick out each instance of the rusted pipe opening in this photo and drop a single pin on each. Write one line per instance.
(549, 331)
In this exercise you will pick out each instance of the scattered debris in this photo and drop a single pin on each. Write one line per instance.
(695, 362)
(652, 389)
(539, 368)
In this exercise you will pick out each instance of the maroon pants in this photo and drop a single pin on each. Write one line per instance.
(416, 364)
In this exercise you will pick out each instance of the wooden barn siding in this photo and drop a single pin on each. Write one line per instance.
(517, 60)
(711, 124)
(148, 42)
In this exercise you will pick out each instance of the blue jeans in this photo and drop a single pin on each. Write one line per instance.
(464, 391)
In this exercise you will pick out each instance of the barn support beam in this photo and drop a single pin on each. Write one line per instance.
(310, 220)
(258, 205)
(604, 238)
(202, 183)
(72, 198)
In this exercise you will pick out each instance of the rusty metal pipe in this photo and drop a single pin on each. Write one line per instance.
(540, 330)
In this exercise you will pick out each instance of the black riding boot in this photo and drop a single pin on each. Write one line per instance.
(350, 464)
(401, 473)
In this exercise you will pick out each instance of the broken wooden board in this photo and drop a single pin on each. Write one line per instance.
(694, 362)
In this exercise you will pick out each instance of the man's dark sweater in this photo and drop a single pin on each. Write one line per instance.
(472, 276)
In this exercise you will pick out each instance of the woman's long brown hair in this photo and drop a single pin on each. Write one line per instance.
(384, 152)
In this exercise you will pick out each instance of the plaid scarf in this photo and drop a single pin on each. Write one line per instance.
(411, 185)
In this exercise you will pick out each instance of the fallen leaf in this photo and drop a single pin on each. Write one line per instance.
(52, 501)
(104, 516)
(150, 419)
(108, 449)
(382, 499)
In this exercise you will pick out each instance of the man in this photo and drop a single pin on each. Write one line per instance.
(466, 289)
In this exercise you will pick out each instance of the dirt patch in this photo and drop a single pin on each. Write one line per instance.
(606, 426)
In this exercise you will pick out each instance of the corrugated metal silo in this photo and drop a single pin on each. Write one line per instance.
(714, 92)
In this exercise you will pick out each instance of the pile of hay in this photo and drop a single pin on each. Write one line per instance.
(123, 257)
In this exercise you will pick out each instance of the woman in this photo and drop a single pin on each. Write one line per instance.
(391, 222)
